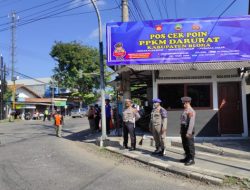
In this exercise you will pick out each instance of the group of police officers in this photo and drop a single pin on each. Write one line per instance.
(158, 127)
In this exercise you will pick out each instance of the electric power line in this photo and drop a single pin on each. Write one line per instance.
(228, 7)
(45, 17)
(165, 7)
(62, 6)
(159, 7)
(132, 13)
(37, 6)
(82, 13)
(137, 10)
(219, 4)
(175, 9)
(139, 5)
(146, 2)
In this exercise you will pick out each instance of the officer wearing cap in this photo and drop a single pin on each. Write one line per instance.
(130, 116)
(187, 131)
(158, 126)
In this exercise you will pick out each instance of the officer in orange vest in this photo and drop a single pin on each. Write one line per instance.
(58, 118)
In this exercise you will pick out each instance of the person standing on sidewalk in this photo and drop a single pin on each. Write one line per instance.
(46, 114)
(130, 116)
(187, 131)
(97, 116)
(91, 117)
(58, 122)
(158, 126)
(108, 115)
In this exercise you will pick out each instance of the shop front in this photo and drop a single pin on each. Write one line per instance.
(217, 101)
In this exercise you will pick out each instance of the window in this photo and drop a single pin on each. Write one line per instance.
(171, 94)
(200, 95)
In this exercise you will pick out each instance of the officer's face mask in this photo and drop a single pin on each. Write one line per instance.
(155, 105)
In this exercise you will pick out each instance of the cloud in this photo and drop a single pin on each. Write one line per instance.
(95, 32)
(76, 3)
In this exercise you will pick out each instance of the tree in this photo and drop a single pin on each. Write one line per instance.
(78, 68)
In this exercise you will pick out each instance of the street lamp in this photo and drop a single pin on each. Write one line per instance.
(102, 86)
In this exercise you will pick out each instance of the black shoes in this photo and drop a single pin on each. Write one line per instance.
(132, 148)
(189, 162)
(159, 152)
(184, 160)
(156, 152)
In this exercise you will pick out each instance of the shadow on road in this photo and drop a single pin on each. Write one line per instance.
(86, 134)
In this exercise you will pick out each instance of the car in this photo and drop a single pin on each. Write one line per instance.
(79, 112)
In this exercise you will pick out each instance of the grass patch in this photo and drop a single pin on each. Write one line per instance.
(235, 181)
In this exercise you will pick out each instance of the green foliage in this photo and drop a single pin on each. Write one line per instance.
(7, 95)
(88, 98)
(78, 68)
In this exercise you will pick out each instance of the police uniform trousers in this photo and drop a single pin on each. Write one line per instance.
(187, 143)
(129, 128)
(108, 119)
(97, 121)
(159, 134)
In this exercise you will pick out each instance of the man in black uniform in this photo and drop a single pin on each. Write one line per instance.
(187, 131)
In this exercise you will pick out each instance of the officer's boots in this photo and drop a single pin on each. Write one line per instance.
(184, 160)
(157, 151)
(132, 147)
(125, 146)
(163, 152)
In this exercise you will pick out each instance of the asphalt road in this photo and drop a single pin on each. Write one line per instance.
(33, 158)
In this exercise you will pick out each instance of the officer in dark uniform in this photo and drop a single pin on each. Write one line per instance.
(158, 126)
(130, 116)
(187, 131)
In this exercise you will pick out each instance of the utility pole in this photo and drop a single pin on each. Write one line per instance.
(125, 75)
(2, 88)
(102, 85)
(249, 7)
(5, 88)
(13, 56)
(52, 96)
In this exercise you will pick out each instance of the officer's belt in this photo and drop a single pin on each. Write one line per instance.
(128, 122)
(184, 125)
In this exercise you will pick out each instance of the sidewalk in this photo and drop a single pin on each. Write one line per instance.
(210, 166)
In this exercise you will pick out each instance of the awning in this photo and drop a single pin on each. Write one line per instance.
(189, 66)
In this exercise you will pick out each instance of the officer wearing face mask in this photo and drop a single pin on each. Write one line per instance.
(158, 126)
(130, 116)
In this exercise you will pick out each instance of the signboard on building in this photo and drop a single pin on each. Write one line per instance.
(178, 41)
(60, 103)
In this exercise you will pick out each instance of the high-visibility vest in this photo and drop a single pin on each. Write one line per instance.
(58, 119)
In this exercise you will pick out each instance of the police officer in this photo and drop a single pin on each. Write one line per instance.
(187, 131)
(130, 116)
(158, 126)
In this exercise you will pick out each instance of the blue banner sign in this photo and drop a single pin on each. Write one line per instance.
(178, 41)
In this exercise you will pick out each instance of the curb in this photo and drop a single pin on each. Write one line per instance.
(220, 151)
(169, 168)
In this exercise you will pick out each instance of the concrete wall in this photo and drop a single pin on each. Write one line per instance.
(207, 120)
(206, 124)
(23, 93)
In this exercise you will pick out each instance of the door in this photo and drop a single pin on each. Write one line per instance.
(230, 112)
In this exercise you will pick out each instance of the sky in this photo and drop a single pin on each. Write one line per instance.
(35, 40)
